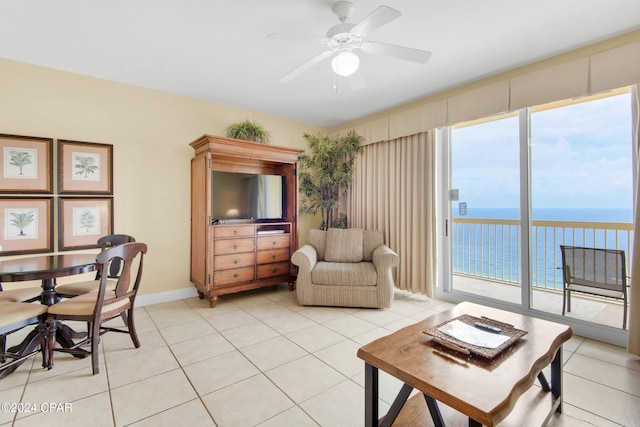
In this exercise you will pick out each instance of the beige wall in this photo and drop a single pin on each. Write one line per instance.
(150, 132)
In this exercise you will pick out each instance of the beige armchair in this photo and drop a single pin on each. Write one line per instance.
(345, 268)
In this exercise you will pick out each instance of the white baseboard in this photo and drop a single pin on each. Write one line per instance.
(160, 297)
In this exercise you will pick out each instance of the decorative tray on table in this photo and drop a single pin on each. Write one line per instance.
(475, 335)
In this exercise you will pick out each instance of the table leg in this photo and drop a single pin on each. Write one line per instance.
(556, 380)
(544, 384)
(370, 395)
(397, 405)
(436, 416)
(48, 291)
(27, 348)
(64, 335)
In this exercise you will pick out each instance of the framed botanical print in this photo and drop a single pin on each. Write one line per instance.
(85, 168)
(26, 164)
(82, 221)
(26, 225)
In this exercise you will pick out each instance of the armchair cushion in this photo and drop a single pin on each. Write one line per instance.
(344, 274)
(344, 245)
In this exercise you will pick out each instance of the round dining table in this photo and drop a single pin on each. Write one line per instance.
(46, 268)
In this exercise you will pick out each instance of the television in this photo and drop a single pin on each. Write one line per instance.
(247, 196)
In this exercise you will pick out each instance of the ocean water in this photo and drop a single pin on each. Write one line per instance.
(493, 251)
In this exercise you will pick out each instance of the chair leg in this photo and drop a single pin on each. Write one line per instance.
(132, 329)
(564, 300)
(95, 343)
(3, 348)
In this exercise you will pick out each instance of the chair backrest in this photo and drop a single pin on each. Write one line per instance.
(109, 241)
(369, 240)
(594, 267)
(128, 255)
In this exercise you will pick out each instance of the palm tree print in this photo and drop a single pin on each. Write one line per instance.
(85, 165)
(19, 159)
(87, 221)
(21, 220)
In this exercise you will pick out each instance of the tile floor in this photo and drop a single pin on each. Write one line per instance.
(260, 359)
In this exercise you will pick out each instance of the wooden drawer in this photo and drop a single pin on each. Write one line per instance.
(224, 262)
(276, 255)
(273, 270)
(234, 231)
(273, 242)
(233, 246)
(235, 275)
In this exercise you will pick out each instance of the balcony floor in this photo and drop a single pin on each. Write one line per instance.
(590, 308)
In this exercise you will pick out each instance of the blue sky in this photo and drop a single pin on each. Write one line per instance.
(580, 156)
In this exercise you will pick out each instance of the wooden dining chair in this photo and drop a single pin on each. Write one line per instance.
(102, 305)
(28, 294)
(70, 290)
(13, 317)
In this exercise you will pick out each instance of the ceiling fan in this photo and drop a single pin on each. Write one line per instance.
(345, 39)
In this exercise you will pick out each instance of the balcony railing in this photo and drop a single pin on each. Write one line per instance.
(490, 248)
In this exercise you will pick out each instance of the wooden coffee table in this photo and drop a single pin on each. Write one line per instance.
(473, 390)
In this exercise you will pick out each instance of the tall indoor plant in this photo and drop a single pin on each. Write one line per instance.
(248, 130)
(325, 174)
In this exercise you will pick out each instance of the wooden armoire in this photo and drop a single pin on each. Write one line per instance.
(233, 255)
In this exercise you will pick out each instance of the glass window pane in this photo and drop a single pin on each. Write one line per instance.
(485, 229)
(581, 195)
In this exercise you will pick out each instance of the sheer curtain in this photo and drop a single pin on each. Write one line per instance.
(633, 343)
(394, 191)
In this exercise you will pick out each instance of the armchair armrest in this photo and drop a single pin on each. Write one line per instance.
(305, 258)
(384, 258)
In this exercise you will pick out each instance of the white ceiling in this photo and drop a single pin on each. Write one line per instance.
(218, 51)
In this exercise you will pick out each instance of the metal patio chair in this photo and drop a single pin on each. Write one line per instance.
(594, 271)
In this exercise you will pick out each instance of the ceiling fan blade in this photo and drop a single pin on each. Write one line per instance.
(305, 66)
(375, 20)
(400, 52)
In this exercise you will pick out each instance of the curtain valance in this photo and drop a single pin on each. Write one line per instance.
(581, 77)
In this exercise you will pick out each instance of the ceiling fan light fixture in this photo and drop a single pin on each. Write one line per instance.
(345, 63)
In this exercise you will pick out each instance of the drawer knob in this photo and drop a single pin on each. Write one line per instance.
(235, 246)
(273, 257)
(235, 261)
(273, 243)
(235, 231)
(274, 270)
(235, 275)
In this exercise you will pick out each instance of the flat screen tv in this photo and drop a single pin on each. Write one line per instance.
(246, 196)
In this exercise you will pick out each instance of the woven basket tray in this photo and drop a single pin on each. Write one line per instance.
(461, 346)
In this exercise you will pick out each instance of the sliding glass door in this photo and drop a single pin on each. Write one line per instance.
(519, 186)
(485, 209)
(581, 195)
